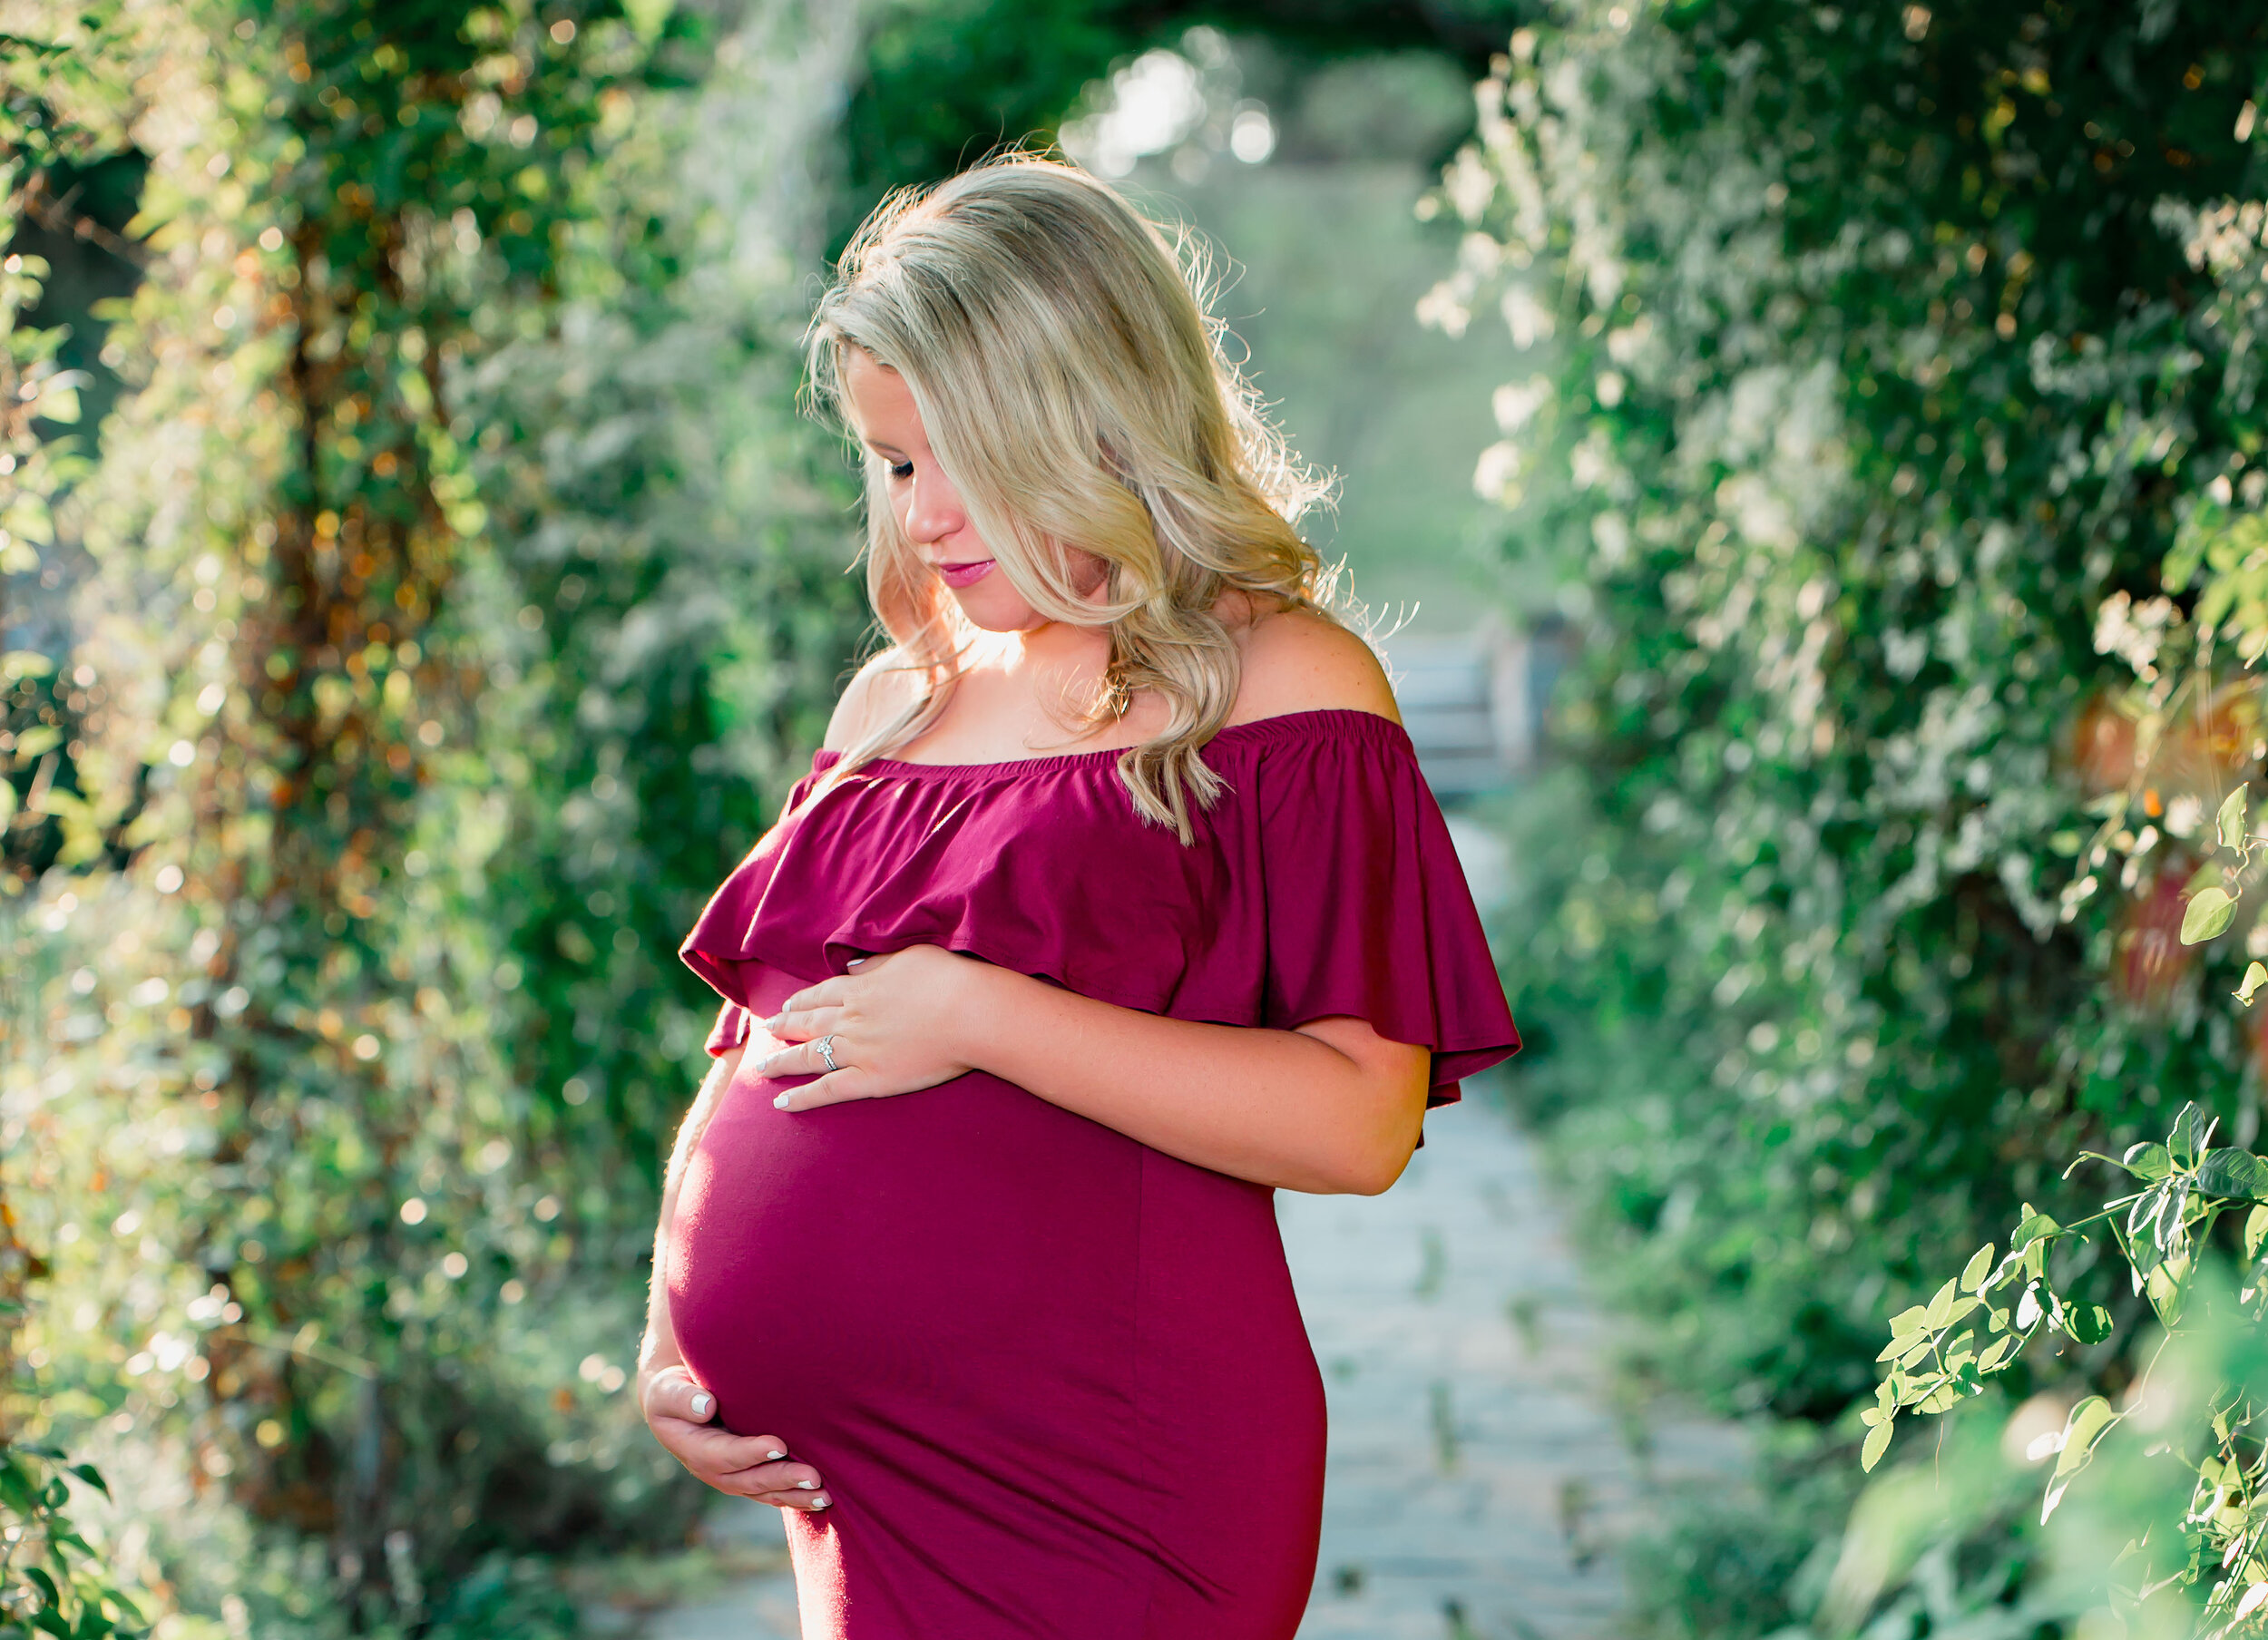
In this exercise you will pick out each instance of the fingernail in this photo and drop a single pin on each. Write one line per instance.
(808, 1486)
(764, 1066)
(701, 1403)
(818, 1503)
(776, 1454)
(781, 1103)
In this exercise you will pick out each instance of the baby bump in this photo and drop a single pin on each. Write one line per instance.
(904, 1261)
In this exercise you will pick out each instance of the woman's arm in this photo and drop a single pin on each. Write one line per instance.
(1330, 1108)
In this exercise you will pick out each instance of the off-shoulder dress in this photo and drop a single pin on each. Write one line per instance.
(1056, 1380)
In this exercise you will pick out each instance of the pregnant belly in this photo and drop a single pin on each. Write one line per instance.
(1010, 1339)
(830, 1266)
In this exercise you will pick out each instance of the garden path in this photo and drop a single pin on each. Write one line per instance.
(1480, 1479)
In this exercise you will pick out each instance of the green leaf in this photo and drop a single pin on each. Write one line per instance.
(2192, 1128)
(92, 1476)
(1980, 1264)
(1910, 1320)
(2148, 1161)
(1941, 1306)
(2234, 1172)
(60, 401)
(2144, 1255)
(2035, 1227)
(1945, 1397)
(1877, 1443)
(27, 516)
(1994, 1353)
(2230, 825)
(2081, 1430)
(2167, 1285)
(2255, 1230)
(2089, 1323)
(2209, 914)
(2256, 976)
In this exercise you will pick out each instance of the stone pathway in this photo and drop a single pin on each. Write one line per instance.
(1480, 1481)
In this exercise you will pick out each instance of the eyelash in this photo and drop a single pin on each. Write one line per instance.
(903, 471)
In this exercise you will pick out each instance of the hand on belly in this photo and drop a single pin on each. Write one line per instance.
(681, 1415)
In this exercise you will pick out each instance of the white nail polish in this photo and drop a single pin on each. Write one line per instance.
(780, 1103)
(701, 1403)
(818, 1503)
(808, 1486)
(775, 1454)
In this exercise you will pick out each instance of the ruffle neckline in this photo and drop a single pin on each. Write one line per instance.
(1321, 882)
(1258, 731)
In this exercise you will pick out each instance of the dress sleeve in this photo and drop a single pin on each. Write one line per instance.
(1368, 912)
(717, 947)
(730, 1030)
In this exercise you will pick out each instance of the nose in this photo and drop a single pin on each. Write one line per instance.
(934, 512)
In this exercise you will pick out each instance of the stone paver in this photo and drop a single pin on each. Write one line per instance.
(1480, 1482)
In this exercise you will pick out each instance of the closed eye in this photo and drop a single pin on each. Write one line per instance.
(900, 469)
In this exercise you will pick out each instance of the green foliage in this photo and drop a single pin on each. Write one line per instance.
(1862, 377)
(466, 590)
(943, 82)
(1881, 359)
(2200, 1425)
(52, 1580)
(299, 996)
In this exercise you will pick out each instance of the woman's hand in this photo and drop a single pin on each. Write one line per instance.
(893, 1024)
(680, 1412)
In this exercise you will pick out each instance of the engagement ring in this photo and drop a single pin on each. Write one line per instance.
(825, 1045)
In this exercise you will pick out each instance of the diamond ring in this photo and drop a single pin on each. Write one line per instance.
(825, 1045)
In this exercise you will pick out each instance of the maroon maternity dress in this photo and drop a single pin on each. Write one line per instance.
(1056, 1380)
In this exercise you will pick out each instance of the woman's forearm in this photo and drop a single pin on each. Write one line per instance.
(1330, 1108)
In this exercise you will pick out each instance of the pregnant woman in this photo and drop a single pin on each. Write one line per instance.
(1114, 903)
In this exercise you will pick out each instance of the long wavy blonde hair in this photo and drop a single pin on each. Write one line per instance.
(1075, 389)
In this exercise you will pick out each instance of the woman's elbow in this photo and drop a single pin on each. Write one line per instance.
(1371, 1166)
(1378, 1175)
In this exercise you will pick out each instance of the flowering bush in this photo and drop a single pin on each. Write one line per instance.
(1892, 389)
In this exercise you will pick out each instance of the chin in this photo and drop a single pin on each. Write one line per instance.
(989, 611)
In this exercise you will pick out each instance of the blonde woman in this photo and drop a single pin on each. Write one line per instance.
(1114, 903)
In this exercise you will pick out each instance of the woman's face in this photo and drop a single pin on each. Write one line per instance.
(928, 507)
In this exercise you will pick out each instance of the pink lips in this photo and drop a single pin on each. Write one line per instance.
(958, 575)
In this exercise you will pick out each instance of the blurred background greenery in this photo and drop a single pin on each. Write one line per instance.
(420, 587)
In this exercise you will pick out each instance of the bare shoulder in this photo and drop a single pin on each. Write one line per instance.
(881, 688)
(1298, 660)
